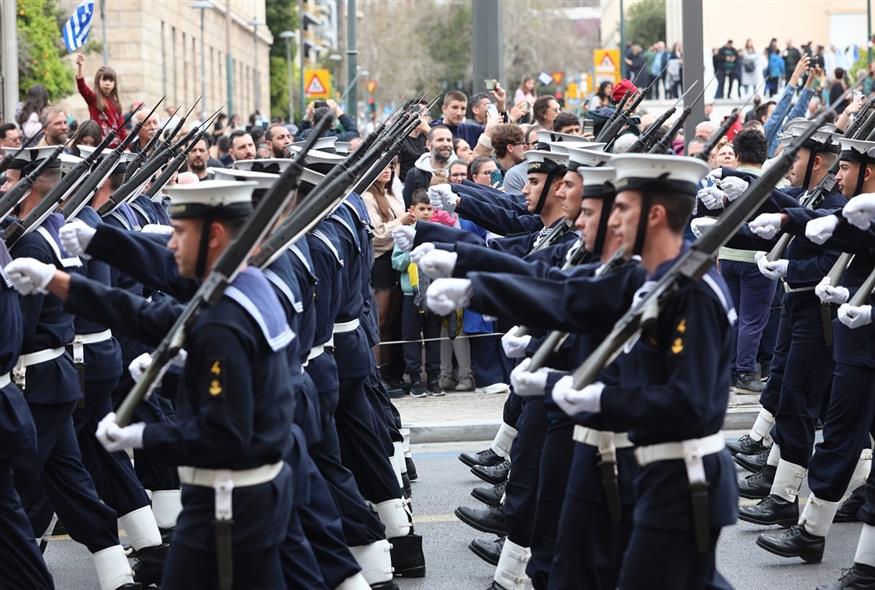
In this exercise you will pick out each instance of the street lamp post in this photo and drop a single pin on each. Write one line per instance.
(255, 24)
(287, 36)
(203, 6)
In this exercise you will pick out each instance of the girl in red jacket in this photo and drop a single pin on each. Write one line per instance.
(103, 106)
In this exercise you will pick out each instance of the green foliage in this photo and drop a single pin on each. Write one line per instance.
(41, 48)
(282, 15)
(645, 23)
(448, 38)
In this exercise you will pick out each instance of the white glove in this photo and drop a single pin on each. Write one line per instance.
(514, 346)
(442, 197)
(526, 383)
(115, 438)
(771, 270)
(421, 250)
(829, 294)
(438, 263)
(446, 295)
(733, 186)
(854, 316)
(29, 276)
(711, 197)
(403, 235)
(716, 173)
(75, 236)
(700, 224)
(575, 401)
(821, 229)
(860, 211)
(138, 366)
(766, 225)
(156, 228)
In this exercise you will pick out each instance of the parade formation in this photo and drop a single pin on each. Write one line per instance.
(193, 353)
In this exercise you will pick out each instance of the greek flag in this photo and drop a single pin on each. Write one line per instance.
(77, 28)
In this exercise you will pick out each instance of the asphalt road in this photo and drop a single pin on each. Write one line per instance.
(445, 483)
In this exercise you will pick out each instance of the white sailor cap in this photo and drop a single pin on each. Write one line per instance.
(651, 172)
(326, 143)
(341, 147)
(278, 166)
(264, 180)
(598, 182)
(68, 162)
(588, 157)
(27, 157)
(217, 199)
(824, 139)
(545, 162)
(564, 147)
(547, 136)
(856, 150)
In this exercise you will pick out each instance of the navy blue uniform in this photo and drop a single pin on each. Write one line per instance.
(56, 480)
(233, 413)
(21, 564)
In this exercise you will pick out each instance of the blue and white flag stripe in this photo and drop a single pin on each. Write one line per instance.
(78, 26)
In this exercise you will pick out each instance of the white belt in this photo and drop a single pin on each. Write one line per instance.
(589, 436)
(223, 481)
(688, 449)
(199, 476)
(80, 340)
(42, 356)
(343, 327)
(5, 380)
(319, 350)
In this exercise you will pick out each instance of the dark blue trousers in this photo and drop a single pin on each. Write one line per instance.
(772, 392)
(488, 361)
(752, 295)
(57, 481)
(845, 431)
(416, 325)
(525, 457)
(21, 563)
(114, 477)
(807, 375)
(192, 569)
(589, 546)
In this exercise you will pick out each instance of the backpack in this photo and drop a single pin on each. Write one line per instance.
(775, 63)
(749, 66)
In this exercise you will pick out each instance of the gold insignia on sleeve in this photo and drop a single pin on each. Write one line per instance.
(677, 346)
(216, 368)
(215, 388)
(682, 326)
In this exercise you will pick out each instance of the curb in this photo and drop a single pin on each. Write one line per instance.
(738, 418)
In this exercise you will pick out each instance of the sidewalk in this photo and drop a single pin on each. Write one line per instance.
(475, 417)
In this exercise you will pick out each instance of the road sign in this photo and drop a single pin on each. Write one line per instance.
(317, 83)
(607, 65)
(557, 77)
(372, 86)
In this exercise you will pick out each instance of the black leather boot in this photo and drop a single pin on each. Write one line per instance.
(485, 520)
(794, 542)
(411, 468)
(150, 564)
(486, 458)
(771, 510)
(753, 463)
(746, 446)
(408, 561)
(494, 475)
(488, 551)
(847, 512)
(491, 496)
(859, 577)
(757, 486)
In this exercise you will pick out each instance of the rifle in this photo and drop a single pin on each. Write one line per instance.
(614, 115)
(179, 158)
(862, 115)
(693, 263)
(555, 338)
(222, 274)
(665, 142)
(19, 191)
(645, 141)
(144, 151)
(155, 162)
(813, 200)
(68, 182)
(107, 164)
(334, 187)
(722, 130)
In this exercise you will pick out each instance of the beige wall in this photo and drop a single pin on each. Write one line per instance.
(156, 48)
(760, 20)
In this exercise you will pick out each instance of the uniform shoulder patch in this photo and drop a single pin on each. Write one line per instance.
(216, 378)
